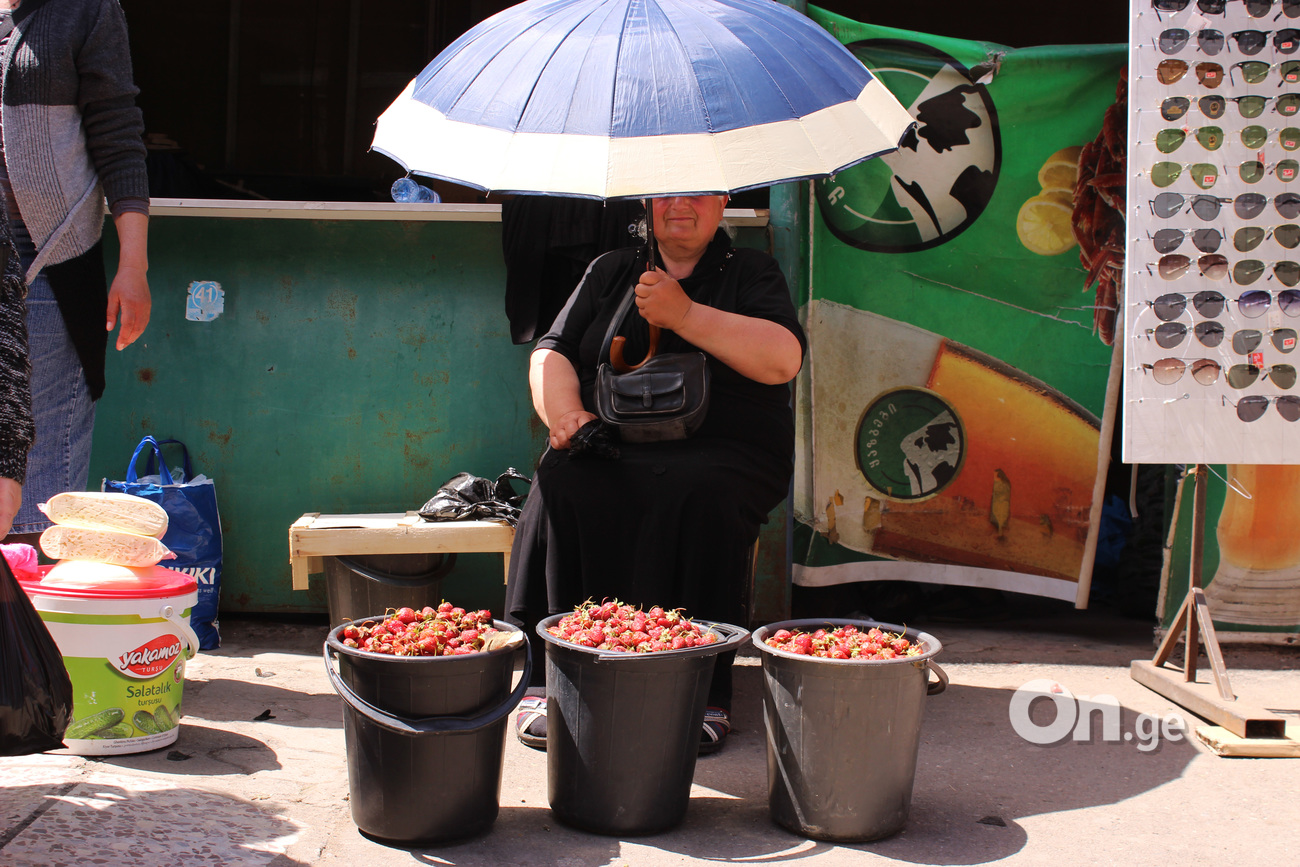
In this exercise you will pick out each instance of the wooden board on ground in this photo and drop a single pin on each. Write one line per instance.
(1224, 743)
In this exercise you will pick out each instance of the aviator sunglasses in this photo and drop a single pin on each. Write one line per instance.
(1252, 407)
(1247, 271)
(1244, 375)
(1169, 334)
(1169, 307)
(1172, 70)
(1205, 240)
(1247, 340)
(1167, 371)
(1213, 266)
(1247, 238)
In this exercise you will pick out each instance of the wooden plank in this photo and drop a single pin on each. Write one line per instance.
(1224, 743)
(1201, 698)
(314, 536)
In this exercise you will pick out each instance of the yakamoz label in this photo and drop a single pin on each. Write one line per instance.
(151, 659)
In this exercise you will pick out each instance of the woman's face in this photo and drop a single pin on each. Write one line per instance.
(688, 221)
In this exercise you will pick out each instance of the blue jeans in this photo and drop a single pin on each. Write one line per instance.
(65, 415)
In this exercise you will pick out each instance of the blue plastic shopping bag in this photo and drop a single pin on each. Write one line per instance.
(193, 527)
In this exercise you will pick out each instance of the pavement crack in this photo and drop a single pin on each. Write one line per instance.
(50, 801)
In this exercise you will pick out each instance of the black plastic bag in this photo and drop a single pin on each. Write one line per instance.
(35, 691)
(466, 497)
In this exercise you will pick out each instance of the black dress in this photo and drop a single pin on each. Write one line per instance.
(672, 523)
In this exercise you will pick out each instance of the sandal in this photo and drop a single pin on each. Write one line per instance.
(530, 722)
(717, 725)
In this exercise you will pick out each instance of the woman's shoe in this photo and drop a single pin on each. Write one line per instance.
(717, 725)
(530, 722)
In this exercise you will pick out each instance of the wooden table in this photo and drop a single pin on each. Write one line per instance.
(314, 536)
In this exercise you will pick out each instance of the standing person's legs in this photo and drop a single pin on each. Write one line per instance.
(65, 415)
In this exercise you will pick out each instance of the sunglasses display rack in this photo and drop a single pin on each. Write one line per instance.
(1212, 289)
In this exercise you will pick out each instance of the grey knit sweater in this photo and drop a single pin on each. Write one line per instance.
(72, 131)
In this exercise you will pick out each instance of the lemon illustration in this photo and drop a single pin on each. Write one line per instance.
(1061, 170)
(1043, 224)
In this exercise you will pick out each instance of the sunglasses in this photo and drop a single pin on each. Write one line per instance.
(1253, 137)
(1207, 302)
(1254, 303)
(1250, 205)
(1260, 8)
(1167, 371)
(1248, 106)
(1169, 334)
(1286, 41)
(1212, 106)
(1248, 41)
(1169, 240)
(1203, 175)
(1213, 266)
(1173, 40)
(1209, 137)
(1253, 171)
(1246, 206)
(1247, 238)
(1253, 406)
(1172, 70)
(1207, 7)
(1244, 375)
(1247, 340)
(1247, 271)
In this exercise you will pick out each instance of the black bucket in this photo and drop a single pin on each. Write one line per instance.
(842, 735)
(355, 586)
(425, 737)
(623, 731)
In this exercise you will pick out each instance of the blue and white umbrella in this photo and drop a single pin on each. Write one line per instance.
(617, 98)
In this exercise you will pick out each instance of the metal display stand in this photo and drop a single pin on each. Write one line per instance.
(1214, 700)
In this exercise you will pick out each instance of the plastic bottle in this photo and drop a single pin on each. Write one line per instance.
(407, 191)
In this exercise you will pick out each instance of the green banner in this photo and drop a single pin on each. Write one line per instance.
(950, 408)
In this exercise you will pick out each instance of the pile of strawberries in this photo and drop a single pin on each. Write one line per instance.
(616, 626)
(844, 642)
(443, 631)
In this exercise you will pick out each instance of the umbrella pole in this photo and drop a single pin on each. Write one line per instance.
(616, 345)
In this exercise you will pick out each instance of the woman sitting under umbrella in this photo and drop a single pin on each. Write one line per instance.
(666, 523)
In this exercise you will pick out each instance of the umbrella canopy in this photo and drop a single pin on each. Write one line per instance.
(619, 98)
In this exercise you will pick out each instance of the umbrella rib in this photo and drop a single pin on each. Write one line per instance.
(559, 43)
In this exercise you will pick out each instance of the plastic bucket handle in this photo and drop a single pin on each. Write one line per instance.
(934, 687)
(408, 581)
(442, 725)
(182, 629)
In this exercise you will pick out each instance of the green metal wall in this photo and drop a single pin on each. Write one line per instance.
(356, 366)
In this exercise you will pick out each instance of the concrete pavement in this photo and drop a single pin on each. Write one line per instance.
(258, 775)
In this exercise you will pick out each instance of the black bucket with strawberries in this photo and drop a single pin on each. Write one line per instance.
(426, 697)
(842, 704)
(626, 693)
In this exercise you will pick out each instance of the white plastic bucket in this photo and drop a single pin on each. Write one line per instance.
(124, 640)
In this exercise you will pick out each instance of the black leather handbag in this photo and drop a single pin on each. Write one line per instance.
(664, 397)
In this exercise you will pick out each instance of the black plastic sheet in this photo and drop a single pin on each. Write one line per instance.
(35, 691)
(466, 497)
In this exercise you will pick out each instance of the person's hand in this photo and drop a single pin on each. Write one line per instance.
(129, 296)
(567, 425)
(661, 300)
(11, 497)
